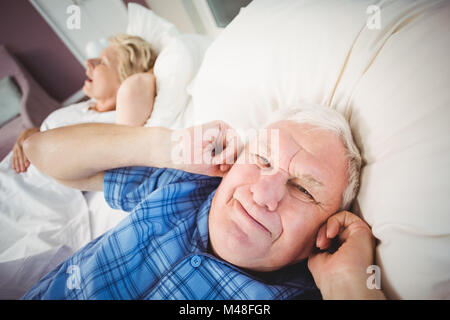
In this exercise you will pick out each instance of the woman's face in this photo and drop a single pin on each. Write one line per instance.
(102, 74)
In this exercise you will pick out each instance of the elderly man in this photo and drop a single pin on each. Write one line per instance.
(193, 236)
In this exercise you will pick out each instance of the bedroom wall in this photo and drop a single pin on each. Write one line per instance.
(189, 16)
(34, 43)
(39, 49)
(141, 2)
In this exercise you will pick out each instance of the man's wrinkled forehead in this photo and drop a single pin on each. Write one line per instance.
(313, 157)
(276, 144)
(292, 147)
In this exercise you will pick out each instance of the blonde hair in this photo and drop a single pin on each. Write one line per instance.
(135, 55)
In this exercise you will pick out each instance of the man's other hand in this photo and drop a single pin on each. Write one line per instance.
(342, 274)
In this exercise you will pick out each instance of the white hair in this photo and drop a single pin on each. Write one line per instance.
(331, 120)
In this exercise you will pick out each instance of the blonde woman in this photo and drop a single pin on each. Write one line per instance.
(121, 78)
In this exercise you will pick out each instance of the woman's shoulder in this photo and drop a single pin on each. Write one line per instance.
(78, 107)
(82, 105)
(68, 115)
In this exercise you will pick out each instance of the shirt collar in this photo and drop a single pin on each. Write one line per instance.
(201, 234)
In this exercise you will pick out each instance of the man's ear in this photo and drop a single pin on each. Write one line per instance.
(225, 168)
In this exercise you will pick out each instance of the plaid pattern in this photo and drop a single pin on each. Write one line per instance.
(160, 251)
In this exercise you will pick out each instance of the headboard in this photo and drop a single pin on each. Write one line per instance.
(36, 104)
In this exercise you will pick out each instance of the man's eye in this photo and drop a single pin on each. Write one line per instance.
(263, 162)
(302, 190)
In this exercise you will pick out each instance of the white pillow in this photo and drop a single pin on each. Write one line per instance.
(395, 92)
(391, 83)
(179, 57)
(275, 54)
(155, 30)
(175, 67)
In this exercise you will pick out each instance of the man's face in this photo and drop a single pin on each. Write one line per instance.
(267, 211)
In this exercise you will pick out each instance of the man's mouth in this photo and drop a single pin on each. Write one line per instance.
(255, 222)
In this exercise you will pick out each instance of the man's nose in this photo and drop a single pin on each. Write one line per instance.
(268, 190)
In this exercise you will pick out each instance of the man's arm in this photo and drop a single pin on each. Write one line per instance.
(78, 155)
(93, 183)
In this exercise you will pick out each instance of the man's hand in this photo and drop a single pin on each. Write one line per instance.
(342, 274)
(208, 149)
(19, 161)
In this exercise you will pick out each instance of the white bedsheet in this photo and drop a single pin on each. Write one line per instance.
(37, 213)
(43, 222)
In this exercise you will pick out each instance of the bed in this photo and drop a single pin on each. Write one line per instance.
(390, 79)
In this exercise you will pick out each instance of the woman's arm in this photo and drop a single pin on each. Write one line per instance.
(19, 161)
(135, 99)
(78, 155)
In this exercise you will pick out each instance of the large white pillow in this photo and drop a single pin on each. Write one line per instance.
(395, 92)
(146, 24)
(174, 69)
(276, 54)
(178, 60)
(392, 84)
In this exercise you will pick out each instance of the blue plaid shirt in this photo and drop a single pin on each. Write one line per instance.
(160, 250)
